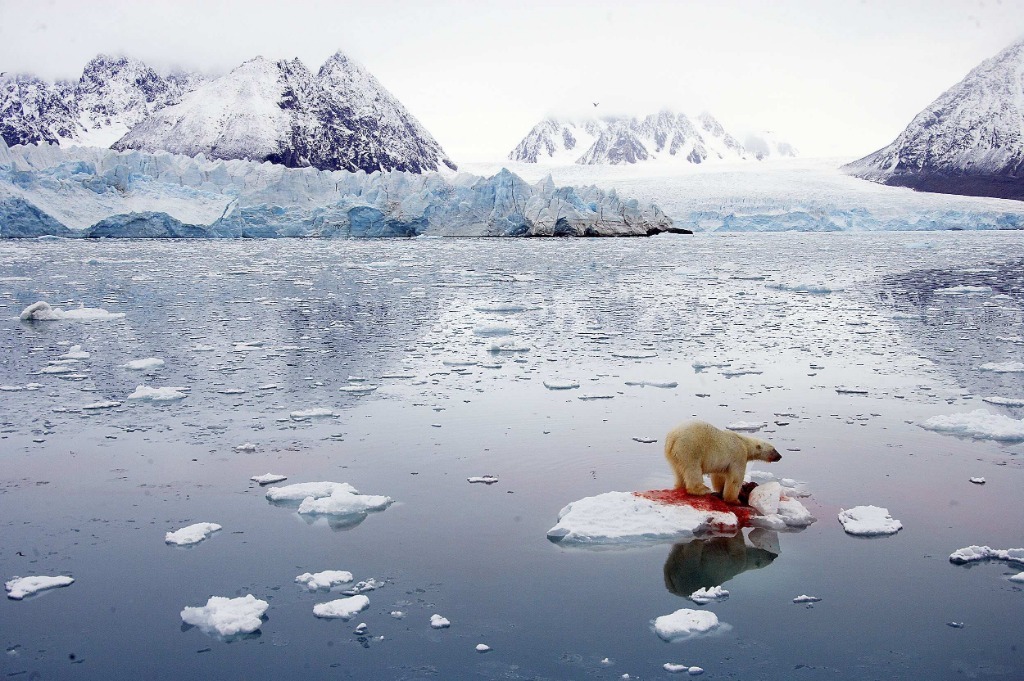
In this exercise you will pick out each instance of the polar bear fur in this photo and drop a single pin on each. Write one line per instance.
(695, 448)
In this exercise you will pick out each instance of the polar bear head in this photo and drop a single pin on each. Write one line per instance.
(759, 450)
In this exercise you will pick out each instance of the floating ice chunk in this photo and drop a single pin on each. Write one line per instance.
(704, 595)
(645, 440)
(492, 330)
(245, 447)
(685, 623)
(615, 517)
(741, 371)
(846, 390)
(75, 352)
(438, 622)
(268, 478)
(971, 554)
(324, 580)
(819, 288)
(673, 668)
(1003, 367)
(961, 290)
(364, 586)
(300, 490)
(765, 498)
(231, 391)
(39, 312)
(482, 647)
(500, 307)
(653, 384)
(247, 346)
(595, 396)
(203, 348)
(166, 394)
(147, 364)
(561, 384)
(343, 608)
(343, 502)
(105, 404)
(358, 389)
(485, 479)
(1019, 578)
(979, 424)
(746, 426)
(193, 534)
(710, 363)
(640, 354)
(58, 369)
(19, 587)
(806, 599)
(507, 345)
(314, 413)
(869, 521)
(227, 616)
(978, 481)
(1005, 401)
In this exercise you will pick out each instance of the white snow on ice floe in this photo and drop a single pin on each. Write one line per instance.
(438, 622)
(971, 554)
(482, 648)
(104, 404)
(165, 394)
(343, 608)
(485, 479)
(75, 352)
(307, 414)
(705, 595)
(806, 599)
(673, 668)
(776, 510)
(977, 481)
(245, 447)
(978, 424)
(746, 426)
(227, 616)
(268, 478)
(561, 384)
(147, 364)
(685, 623)
(328, 498)
(1003, 367)
(869, 521)
(1005, 401)
(20, 587)
(324, 580)
(193, 534)
(42, 312)
(615, 517)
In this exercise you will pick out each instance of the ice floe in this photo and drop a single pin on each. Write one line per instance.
(979, 424)
(314, 413)
(561, 384)
(43, 312)
(482, 648)
(193, 534)
(342, 608)
(227, 616)
(104, 404)
(268, 478)
(804, 598)
(705, 595)
(75, 352)
(685, 623)
(869, 521)
(653, 384)
(1003, 367)
(165, 394)
(746, 426)
(492, 330)
(327, 579)
(974, 553)
(977, 481)
(1005, 401)
(328, 498)
(245, 447)
(20, 587)
(438, 622)
(485, 479)
(673, 668)
(961, 290)
(146, 364)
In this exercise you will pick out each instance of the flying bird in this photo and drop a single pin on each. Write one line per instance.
(596, 103)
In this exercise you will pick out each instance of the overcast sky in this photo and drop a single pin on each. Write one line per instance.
(835, 77)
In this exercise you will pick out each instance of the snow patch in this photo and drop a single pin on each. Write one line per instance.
(685, 623)
(342, 608)
(20, 587)
(193, 534)
(869, 521)
(227, 616)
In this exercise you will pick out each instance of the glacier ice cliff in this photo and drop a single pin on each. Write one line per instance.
(46, 190)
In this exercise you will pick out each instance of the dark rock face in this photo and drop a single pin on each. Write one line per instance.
(969, 141)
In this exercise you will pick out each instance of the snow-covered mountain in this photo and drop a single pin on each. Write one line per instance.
(968, 141)
(92, 192)
(615, 140)
(340, 118)
(112, 95)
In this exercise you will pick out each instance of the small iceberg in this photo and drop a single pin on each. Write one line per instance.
(327, 579)
(705, 595)
(804, 598)
(561, 384)
(342, 608)
(1003, 367)
(227, 616)
(165, 394)
(328, 498)
(315, 413)
(973, 554)
(438, 622)
(485, 479)
(978, 424)
(147, 364)
(685, 623)
(20, 587)
(869, 521)
(191, 535)
(42, 312)
(268, 478)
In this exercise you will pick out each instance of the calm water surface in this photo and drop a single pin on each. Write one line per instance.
(459, 336)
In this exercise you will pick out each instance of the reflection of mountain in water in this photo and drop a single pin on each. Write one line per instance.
(704, 563)
(964, 318)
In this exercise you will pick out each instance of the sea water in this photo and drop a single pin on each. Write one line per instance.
(405, 368)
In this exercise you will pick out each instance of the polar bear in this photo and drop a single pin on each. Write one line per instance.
(695, 448)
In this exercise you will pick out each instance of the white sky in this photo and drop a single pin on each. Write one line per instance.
(834, 77)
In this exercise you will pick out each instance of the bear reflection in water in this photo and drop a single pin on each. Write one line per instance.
(704, 563)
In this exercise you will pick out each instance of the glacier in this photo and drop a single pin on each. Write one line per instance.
(89, 192)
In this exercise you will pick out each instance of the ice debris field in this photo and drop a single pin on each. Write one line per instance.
(375, 458)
